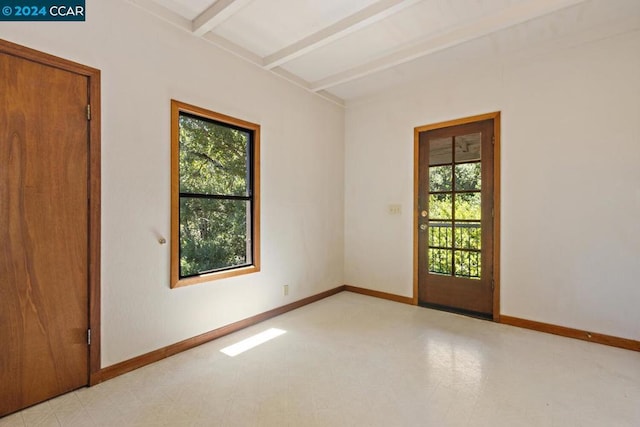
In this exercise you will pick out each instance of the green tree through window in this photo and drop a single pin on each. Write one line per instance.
(215, 220)
(454, 209)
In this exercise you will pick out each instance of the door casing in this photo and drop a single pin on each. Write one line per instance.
(94, 179)
(495, 116)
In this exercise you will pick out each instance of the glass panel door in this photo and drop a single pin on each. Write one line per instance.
(455, 217)
(455, 205)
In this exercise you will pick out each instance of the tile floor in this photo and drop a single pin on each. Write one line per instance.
(353, 360)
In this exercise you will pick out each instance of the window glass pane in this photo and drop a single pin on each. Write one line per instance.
(440, 151)
(440, 234)
(467, 264)
(213, 234)
(440, 206)
(440, 261)
(468, 206)
(468, 176)
(468, 235)
(440, 178)
(468, 147)
(213, 158)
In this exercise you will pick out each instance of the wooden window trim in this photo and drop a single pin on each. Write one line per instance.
(178, 107)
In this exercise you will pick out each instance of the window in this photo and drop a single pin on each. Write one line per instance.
(455, 208)
(215, 209)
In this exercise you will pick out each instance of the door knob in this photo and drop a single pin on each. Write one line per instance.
(423, 214)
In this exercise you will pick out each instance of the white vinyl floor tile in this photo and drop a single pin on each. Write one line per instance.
(353, 360)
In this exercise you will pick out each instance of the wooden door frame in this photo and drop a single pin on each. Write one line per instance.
(93, 77)
(495, 116)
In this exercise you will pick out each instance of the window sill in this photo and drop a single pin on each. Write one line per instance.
(209, 277)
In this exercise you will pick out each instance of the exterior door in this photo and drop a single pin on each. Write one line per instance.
(455, 217)
(44, 238)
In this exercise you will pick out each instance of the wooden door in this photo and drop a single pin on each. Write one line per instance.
(44, 239)
(455, 217)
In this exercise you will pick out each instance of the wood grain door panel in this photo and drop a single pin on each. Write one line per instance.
(43, 232)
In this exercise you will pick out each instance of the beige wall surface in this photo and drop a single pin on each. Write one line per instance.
(145, 63)
(570, 174)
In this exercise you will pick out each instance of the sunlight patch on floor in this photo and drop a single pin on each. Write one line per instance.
(251, 342)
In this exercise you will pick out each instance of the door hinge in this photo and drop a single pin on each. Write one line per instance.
(88, 111)
(493, 284)
(493, 139)
(89, 336)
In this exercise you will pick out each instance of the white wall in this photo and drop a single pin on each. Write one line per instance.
(570, 174)
(570, 180)
(146, 62)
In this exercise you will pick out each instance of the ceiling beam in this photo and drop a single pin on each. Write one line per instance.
(233, 48)
(350, 24)
(185, 24)
(215, 15)
(499, 20)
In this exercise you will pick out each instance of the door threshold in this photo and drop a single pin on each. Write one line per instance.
(468, 313)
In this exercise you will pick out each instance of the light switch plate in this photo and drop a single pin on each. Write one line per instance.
(395, 209)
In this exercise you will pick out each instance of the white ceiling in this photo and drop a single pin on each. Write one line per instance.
(348, 49)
